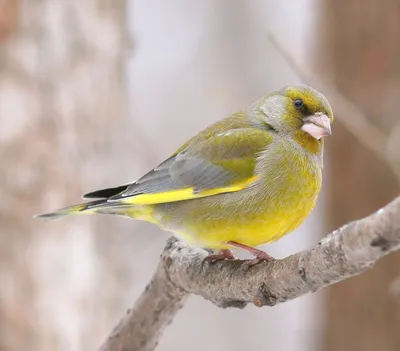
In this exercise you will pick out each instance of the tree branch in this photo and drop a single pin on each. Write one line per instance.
(346, 252)
(142, 326)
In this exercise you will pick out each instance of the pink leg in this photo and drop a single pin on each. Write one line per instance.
(222, 255)
(260, 255)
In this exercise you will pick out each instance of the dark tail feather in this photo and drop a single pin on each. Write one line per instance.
(85, 208)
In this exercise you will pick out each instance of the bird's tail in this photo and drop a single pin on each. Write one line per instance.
(98, 206)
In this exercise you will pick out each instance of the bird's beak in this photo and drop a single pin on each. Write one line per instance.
(318, 125)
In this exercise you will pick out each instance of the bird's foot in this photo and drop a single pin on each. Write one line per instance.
(221, 255)
(260, 256)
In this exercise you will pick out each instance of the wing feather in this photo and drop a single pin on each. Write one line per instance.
(222, 163)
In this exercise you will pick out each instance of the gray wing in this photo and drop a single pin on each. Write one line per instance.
(193, 168)
(179, 171)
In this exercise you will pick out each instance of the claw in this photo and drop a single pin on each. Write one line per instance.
(222, 255)
(261, 256)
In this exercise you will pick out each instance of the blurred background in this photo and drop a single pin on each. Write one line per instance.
(93, 93)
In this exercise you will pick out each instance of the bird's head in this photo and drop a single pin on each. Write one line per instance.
(299, 110)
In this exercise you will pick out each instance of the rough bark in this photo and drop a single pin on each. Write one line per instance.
(142, 326)
(346, 252)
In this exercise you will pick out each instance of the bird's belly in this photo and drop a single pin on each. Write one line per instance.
(251, 227)
(251, 232)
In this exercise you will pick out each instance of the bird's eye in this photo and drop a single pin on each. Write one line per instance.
(299, 104)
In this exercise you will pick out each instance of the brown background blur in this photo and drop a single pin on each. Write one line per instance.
(95, 92)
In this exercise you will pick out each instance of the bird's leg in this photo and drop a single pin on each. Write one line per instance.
(224, 254)
(260, 255)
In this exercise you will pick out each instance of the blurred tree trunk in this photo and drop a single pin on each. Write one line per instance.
(61, 97)
(359, 52)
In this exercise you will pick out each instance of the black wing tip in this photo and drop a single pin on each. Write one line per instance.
(105, 193)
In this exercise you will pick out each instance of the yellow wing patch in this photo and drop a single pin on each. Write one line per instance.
(184, 194)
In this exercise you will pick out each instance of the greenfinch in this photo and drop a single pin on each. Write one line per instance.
(244, 181)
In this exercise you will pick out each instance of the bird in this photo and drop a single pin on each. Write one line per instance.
(246, 180)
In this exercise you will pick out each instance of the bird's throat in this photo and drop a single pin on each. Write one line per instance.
(308, 142)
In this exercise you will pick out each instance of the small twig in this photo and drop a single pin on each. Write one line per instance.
(346, 252)
(349, 115)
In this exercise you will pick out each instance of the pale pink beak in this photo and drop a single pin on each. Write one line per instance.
(318, 125)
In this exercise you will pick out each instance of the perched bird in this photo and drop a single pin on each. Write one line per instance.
(246, 180)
